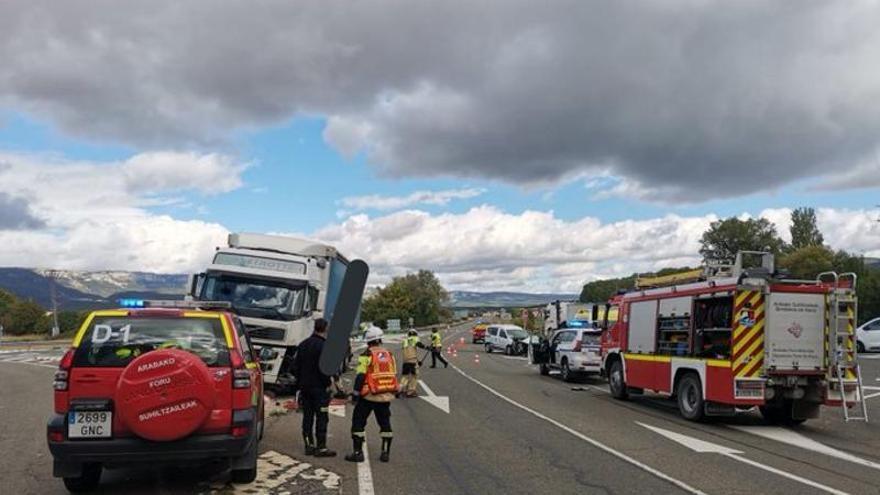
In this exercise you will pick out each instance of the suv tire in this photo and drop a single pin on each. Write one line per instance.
(567, 375)
(616, 381)
(689, 393)
(87, 481)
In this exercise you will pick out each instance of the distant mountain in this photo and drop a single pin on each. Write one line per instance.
(85, 290)
(468, 299)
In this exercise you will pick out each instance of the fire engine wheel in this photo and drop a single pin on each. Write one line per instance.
(690, 397)
(615, 380)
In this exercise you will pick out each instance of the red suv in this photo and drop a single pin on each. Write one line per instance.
(156, 384)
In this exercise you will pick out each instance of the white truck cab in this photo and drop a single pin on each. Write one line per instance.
(278, 286)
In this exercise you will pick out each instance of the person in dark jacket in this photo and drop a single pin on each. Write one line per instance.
(314, 393)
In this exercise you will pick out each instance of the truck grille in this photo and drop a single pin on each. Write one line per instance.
(266, 333)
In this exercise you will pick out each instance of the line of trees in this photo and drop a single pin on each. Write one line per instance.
(419, 296)
(804, 257)
(25, 317)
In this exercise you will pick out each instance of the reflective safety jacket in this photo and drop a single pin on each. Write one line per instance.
(436, 341)
(377, 374)
(410, 354)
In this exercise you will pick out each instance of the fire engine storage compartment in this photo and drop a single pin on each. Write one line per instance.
(674, 326)
(795, 332)
(713, 325)
(642, 327)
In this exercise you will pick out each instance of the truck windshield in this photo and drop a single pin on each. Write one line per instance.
(257, 298)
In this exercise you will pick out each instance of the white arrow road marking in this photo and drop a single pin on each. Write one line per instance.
(278, 473)
(440, 402)
(337, 410)
(791, 437)
(698, 445)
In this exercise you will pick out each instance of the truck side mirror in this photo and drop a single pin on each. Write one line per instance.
(194, 284)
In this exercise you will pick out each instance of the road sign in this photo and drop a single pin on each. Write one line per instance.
(393, 326)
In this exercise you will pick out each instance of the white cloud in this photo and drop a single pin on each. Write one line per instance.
(378, 202)
(94, 212)
(488, 249)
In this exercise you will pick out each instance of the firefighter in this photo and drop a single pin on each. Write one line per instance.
(374, 389)
(314, 391)
(410, 375)
(437, 349)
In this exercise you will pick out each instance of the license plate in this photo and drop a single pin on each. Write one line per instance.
(89, 424)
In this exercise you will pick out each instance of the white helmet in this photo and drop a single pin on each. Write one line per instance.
(373, 333)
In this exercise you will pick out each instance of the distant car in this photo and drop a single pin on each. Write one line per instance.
(151, 385)
(478, 333)
(575, 352)
(868, 336)
(510, 339)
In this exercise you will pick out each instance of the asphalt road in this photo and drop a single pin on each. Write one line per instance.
(509, 430)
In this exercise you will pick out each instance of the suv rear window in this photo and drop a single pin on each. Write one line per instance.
(115, 341)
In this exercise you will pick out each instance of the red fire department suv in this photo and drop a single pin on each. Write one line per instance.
(151, 384)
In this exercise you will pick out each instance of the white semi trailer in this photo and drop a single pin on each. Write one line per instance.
(278, 286)
(569, 314)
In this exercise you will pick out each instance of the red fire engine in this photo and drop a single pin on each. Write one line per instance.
(736, 338)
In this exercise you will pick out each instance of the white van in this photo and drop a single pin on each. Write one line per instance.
(508, 338)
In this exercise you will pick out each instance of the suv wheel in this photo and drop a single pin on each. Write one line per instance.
(567, 375)
(615, 380)
(690, 397)
(87, 481)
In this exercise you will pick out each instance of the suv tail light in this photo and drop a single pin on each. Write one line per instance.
(241, 378)
(578, 345)
(62, 376)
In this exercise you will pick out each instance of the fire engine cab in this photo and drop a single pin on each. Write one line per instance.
(734, 338)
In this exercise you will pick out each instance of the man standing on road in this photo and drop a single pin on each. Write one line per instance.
(437, 349)
(314, 394)
(374, 389)
(409, 380)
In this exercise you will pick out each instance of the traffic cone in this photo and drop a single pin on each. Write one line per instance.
(476, 359)
(461, 341)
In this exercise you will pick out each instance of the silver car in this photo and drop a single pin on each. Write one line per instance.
(575, 352)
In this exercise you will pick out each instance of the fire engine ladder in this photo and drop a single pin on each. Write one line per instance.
(844, 355)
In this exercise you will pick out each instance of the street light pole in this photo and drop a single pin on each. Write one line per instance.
(53, 294)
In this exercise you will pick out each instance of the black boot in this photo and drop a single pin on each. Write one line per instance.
(322, 451)
(358, 450)
(309, 442)
(386, 450)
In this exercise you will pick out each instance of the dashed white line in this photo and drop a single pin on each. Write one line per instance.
(595, 443)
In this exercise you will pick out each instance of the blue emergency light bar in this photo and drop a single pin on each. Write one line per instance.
(158, 303)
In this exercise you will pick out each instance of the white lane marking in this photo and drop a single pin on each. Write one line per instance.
(29, 363)
(517, 358)
(438, 401)
(869, 356)
(698, 445)
(794, 438)
(589, 440)
(365, 475)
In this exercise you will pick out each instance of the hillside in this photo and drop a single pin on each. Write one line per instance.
(469, 299)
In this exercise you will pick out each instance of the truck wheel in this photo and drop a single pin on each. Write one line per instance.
(545, 370)
(615, 380)
(567, 375)
(87, 481)
(690, 397)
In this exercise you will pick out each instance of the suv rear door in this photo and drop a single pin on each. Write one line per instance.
(110, 340)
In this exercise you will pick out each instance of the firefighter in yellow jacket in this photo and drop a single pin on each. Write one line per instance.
(409, 376)
(374, 389)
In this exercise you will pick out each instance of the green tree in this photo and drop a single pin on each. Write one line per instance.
(602, 290)
(419, 296)
(24, 317)
(726, 237)
(804, 231)
(808, 261)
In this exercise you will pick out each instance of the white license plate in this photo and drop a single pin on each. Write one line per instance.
(89, 424)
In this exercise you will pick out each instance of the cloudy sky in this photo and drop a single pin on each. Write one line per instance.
(505, 144)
